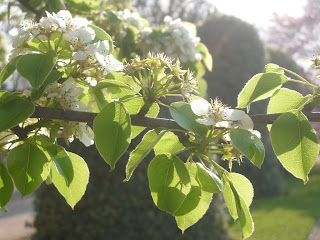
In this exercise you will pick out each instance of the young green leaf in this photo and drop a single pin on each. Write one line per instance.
(184, 116)
(112, 130)
(208, 181)
(284, 100)
(101, 35)
(295, 143)
(271, 67)
(61, 161)
(134, 105)
(259, 87)
(169, 182)
(13, 112)
(245, 217)
(238, 208)
(142, 150)
(9, 69)
(119, 76)
(53, 76)
(198, 200)
(116, 89)
(28, 166)
(242, 185)
(230, 200)
(248, 144)
(169, 143)
(6, 186)
(36, 67)
(76, 188)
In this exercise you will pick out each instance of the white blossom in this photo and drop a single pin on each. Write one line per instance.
(108, 63)
(85, 134)
(132, 18)
(65, 21)
(85, 34)
(221, 116)
(67, 95)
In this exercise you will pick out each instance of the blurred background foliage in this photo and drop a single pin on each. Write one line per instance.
(112, 209)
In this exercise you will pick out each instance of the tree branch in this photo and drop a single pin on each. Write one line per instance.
(138, 120)
(26, 4)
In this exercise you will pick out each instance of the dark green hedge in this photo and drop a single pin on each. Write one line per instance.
(112, 209)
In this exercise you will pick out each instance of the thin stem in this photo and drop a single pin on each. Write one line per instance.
(301, 78)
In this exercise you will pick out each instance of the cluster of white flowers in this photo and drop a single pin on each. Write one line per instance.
(76, 31)
(221, 116)
(178, 40)
(67, 94)
(131, 18)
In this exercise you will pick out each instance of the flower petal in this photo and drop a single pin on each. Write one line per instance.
(201, 107)
(232, 114)
(205, 121)
(246, 123)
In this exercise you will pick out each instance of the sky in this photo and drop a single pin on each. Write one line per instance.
(259, 12)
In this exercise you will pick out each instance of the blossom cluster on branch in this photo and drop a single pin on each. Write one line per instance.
(116, 81)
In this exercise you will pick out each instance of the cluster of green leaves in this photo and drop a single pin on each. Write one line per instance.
(293, 139)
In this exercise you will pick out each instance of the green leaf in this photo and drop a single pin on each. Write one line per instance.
(112, 130)
(230, 200)
(245, 217)
(28, 166)
(169, 143)
(259, 87)
(3, 96)
(153, 112)
(181, 112)
(142, 150)
(271, 67)
(238, 209)
(73, 191)
(14, 112)
(208, 181)
(9, 69)
(242, 185)
(61, 161)
(101, 35)
(36, 67)
(206, 56)
(119, 76)
(295, 143)
(203, 87)
(284, 100)
(56, 42)
(6, 186)
(197, 202)
(116, 89)
(169, 182)
(134, 105)
(52, 77)
(249, 145)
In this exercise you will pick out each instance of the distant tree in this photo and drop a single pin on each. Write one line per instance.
(188, 10)
(297, 36)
